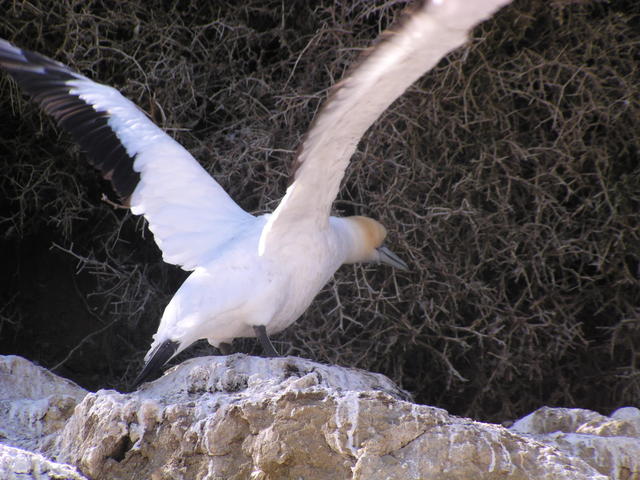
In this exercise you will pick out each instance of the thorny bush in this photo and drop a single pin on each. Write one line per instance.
(509, 178)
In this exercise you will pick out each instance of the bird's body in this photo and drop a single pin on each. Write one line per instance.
(238, 288)
(251, 275)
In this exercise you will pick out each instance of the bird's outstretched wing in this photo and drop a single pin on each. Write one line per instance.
(188, 212)
(425, 34)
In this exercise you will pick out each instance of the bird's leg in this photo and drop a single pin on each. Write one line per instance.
(225, 348)
(267, 346)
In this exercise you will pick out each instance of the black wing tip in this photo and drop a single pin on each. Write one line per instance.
(46, 81)
(9, 50)
(17, 61)
(11, 54)
(159, 357)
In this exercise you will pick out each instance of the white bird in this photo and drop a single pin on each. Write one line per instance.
(252, 275)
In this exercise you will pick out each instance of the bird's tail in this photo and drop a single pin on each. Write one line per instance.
(157, 358)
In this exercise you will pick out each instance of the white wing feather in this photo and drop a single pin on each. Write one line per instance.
(425, 36)
(188, 212)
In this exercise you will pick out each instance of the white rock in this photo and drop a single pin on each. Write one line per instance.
(17, 464)
(241, 417)
(609, 444)
(34, 403)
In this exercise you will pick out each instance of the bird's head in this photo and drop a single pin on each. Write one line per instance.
(370, 236)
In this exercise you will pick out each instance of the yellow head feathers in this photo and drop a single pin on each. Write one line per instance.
(373, 232)
(369, 235)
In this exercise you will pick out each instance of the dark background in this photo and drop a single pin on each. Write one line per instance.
(508, 177)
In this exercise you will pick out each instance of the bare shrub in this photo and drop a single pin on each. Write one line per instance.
(508, 177)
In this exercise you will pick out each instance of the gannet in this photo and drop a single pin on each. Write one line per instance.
(252, 276)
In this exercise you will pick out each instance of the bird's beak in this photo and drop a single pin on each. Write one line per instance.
(390, 258)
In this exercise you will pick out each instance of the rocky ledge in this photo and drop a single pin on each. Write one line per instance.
(241, 417)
